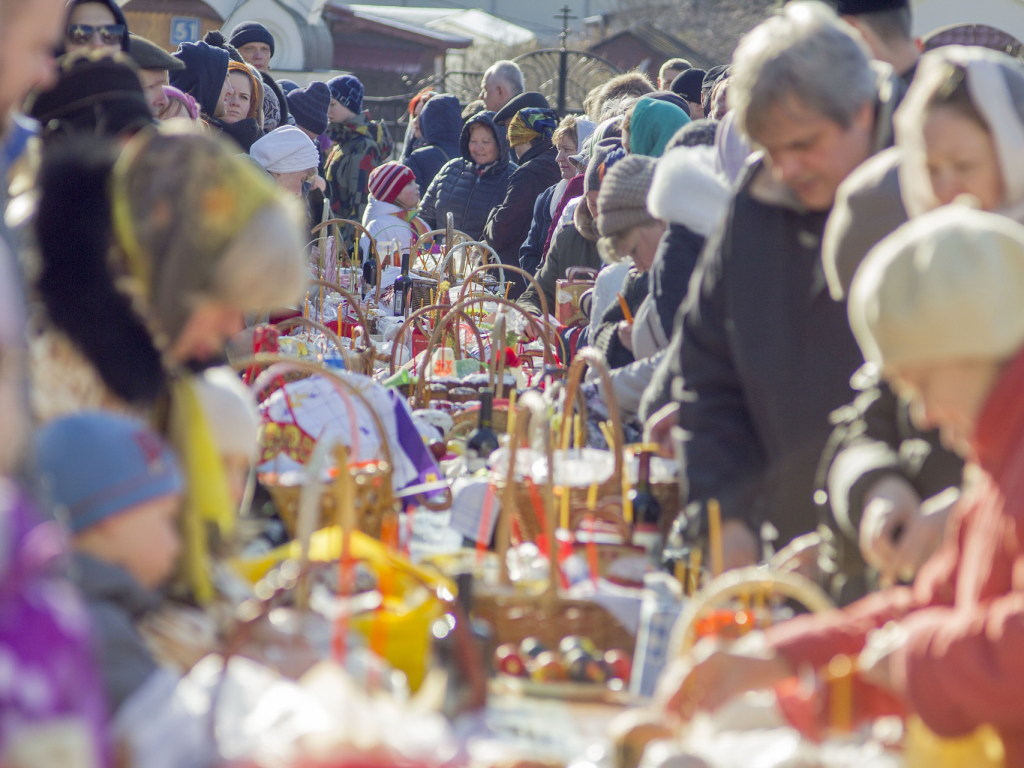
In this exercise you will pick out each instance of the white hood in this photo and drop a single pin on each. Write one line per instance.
(687, 190)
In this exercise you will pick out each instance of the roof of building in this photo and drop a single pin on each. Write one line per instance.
(659, 42)
(180, 8)
(466, 23)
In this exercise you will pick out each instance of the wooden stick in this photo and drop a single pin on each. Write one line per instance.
(625, 308)
(715, 537)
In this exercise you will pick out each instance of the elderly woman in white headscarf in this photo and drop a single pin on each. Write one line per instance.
(290, 156)
(961, 132)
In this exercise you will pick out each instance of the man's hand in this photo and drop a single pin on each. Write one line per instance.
(890, 507)
(924, 534)
(625, 332)
(875, 661)
(659, 427)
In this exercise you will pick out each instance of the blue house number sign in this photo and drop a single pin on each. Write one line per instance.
(184, 30)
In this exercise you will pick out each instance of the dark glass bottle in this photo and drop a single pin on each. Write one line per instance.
(403, 288)
(646, 510)
(484, 441)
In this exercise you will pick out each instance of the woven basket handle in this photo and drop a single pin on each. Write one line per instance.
(305, 322)
(492, 258)
(458, 309)
(547, 338)
(360, 230)
(282, 364)
(412, 320)
(513, 269)
(584, 357)
(456, 235)
(530, 415)
(737, 583)
(581, 274)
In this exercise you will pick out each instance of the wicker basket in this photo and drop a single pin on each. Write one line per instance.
(549, 616)
(374, 493)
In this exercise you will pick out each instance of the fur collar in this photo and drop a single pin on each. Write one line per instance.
(687, 190)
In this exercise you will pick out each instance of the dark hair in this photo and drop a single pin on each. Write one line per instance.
(953, 95)
(891, 26)
(74, 231)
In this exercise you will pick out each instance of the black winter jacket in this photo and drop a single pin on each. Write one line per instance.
(532, 249)
(678, 253)
(466, 190)
(874, 438)
(765, 358)
(441, 125)
(509, 223)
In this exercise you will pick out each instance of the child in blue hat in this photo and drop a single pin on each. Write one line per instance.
(119, 487)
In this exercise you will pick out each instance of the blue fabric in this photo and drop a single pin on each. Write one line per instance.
(467, 190)
(533, 247)
(441, 125)
(95, 465)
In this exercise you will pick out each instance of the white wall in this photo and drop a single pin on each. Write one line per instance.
(288, 44)
(1007, 15)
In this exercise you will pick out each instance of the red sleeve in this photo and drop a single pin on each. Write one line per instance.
(815, 640)
(960, 668)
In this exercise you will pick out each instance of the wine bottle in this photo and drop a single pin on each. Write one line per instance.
(646, 510)
(484, 441)
(403, 288)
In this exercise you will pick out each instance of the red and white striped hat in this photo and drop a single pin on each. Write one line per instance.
(387, 181)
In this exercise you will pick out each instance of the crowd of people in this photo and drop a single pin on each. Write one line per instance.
(807, 267)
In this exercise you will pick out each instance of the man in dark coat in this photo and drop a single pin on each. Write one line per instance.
(765, 355)
(529, 135)
(441, 128)
(470, 186)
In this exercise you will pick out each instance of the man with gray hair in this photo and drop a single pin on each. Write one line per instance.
(765, 355)
(502, 82)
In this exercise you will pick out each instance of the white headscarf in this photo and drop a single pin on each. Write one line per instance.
(285, 150)
(995, 84)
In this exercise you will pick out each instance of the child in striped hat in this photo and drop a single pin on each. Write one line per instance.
(392, 213)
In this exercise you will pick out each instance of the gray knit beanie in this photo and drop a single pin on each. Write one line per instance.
(622, 202)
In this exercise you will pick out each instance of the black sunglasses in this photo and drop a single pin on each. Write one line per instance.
(83, 34)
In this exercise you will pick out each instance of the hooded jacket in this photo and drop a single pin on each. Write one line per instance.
(116, 602)
(441, 125)
(509, 223)
(961, 665)
(119, 17)
(206, 66)
(386, 222)
(466, 190)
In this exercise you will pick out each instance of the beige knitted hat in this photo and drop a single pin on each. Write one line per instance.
(948, 285)
(622, 201)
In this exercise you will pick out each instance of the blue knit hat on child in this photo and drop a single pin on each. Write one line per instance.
(309, 106)
(96, 464)
(348, 90)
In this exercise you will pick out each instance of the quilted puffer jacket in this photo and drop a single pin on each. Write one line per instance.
(467, 190)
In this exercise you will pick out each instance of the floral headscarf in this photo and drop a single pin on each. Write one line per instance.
(531, 123)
